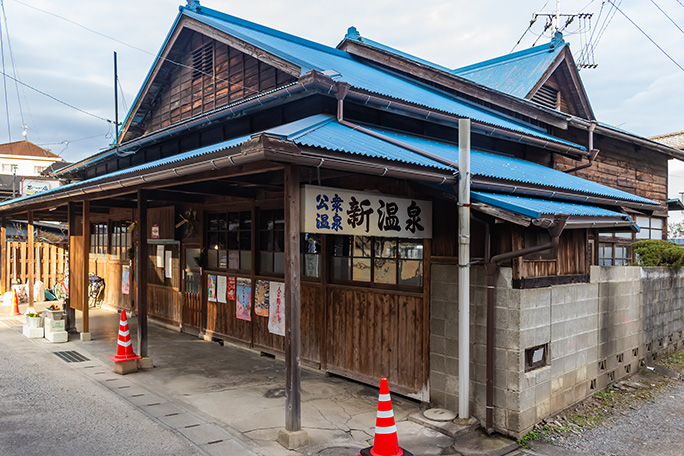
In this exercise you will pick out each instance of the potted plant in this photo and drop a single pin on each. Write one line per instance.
(54, 312)
(33, 320)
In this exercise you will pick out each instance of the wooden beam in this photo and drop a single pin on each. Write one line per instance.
(293, 391)
(85, 267)
(143, 260)
(174, 197)
(31, 258)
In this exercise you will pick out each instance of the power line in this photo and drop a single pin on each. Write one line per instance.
(4, 85)
(163, 59)
(56, 99)
(646, 35)
(671, 20)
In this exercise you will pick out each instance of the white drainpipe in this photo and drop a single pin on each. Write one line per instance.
(464, 268)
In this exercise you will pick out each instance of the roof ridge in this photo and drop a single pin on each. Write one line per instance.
(263, 29)
(525, 53)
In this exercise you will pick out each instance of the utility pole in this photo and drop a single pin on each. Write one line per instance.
(14, 181)
(553, 22)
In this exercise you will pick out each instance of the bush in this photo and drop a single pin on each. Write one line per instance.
(654, 252)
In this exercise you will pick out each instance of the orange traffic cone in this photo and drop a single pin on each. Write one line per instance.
(386, 442)
(15, 305)
(124, 349)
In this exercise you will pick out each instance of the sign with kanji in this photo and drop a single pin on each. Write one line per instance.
(338, 211)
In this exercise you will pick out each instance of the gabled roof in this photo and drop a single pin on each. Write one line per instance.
(517, 73)
(298, 53)
(27, 149)
(522, 73)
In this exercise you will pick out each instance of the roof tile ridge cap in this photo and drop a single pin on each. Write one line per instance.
(225, 17)
(525, 53)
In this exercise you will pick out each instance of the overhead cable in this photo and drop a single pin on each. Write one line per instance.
(666, 15)
(646, 35)
(57, 99)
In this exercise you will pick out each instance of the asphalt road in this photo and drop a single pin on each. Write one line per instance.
(48, 408)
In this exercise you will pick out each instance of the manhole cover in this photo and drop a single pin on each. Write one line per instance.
(439, 414)
(71, 356)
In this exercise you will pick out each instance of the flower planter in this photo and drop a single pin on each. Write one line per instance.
(33, 322)
(54, 314)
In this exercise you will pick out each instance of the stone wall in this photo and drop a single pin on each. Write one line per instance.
(595, 334)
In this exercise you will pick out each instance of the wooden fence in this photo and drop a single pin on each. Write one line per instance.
(51, 262)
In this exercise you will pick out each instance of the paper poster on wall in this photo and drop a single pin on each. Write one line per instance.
(261, 298)
(243, 304)
(230, 291)
(125, 280)
(276, 317)
(221, 289)
(168, 264)
(160, 256)
(211, 288)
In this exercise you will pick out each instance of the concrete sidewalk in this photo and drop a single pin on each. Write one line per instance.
(230, 400)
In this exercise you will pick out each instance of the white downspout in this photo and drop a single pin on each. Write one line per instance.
(464, 268)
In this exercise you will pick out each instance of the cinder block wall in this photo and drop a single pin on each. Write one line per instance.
(596, 333)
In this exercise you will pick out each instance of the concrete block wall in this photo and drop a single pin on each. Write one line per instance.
(596, 333)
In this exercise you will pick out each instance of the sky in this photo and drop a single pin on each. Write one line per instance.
(635, 86)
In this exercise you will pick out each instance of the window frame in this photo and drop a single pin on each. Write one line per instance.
(245, 230)
(371, 283)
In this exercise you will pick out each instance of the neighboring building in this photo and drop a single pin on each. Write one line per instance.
(249, 152)
(23, 159)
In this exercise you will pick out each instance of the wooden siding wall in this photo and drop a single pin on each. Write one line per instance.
(211, 75)
(571, 258)
(50, 263)
(641, 172)
(378, 334)
(165, 219)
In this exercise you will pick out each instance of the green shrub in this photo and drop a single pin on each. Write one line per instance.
(654, 252)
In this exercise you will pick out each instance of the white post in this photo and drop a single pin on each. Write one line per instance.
(464, 268)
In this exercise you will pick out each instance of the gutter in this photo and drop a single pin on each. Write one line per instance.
(310, 81)
(593, 153)
(491, 265)
(452, 120)
(628, 137)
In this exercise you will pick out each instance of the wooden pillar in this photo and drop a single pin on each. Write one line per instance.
(30, 245)
(70, 313)
(85, 333)
(143, 259)
(4, 261)
(293, 436)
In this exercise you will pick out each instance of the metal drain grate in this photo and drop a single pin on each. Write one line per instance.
(71, 356)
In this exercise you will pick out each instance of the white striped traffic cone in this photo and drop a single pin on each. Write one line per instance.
(386, 442)
(124, 348)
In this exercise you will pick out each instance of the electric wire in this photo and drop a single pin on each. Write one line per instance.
(159, 57)
(666, 15)
(13, 63)
(532, 21)
(57, 99)
(647, 36)
(4, 86)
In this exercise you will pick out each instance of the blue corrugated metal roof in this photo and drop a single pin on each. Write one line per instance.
(309, 55)
(324, 132)
(515, 74)
(535, 208)
(354, 35)
(330, 135)
(145, 166)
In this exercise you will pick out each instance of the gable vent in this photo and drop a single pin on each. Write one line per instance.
(202, 61)
(547, 96)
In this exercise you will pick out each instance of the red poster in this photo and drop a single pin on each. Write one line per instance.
(231, 288)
